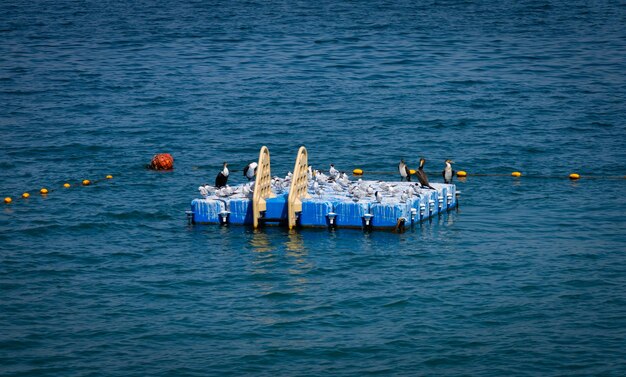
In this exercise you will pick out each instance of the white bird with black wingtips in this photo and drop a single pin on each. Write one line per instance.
(404, 197)
(379, 197)
(416, 190)
(332, 171)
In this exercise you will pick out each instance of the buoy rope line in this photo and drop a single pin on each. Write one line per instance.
(515, 174)
(359, 172)
(548, 176)
(44, 191)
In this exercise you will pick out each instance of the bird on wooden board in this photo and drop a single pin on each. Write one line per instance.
(222, 176)
(250, 170)
(421, 175)
(379, 197)
(447, 172)
(405, 172)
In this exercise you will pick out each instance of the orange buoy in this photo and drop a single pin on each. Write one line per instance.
(357, 171)
(516, 174)
(461, 174)
(66, 185)
(8, 200)
(162, 161)
(574, 176)
(43, 191)
(25, 195)
(86, 182)
(412, 171)
(109, 176)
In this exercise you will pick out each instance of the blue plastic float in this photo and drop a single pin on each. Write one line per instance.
(331, 209)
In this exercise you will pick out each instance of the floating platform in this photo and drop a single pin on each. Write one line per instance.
(305, 200)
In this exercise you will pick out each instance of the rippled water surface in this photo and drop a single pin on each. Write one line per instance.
(527, 278)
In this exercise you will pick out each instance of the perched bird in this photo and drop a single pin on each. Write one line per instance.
(379, 197)
(316, 186)
(421, 175)
(447, 172)
(319, 176)
(250, 170)
(228, 190)
(222, 177)
(224, 191)
(416, 190)
(245, 190)
(277, 184)
(405, 172)
(332, 171)
(343, 179)
(362, 185)
(370, 190)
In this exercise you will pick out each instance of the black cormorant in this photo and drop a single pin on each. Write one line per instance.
(222, 177)
(421, 175)
(250, 170)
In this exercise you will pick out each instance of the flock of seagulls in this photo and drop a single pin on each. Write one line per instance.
(335, 183)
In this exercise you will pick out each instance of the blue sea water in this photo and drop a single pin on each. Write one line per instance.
(527, 278)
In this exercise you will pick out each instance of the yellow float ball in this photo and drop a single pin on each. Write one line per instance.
(43, 191)
(461, 173)
(412, 171)
(25, 195)
(357, 172)
(109, 176)
(86, 182)
(66, 185)
(516, 174)
(8, 200)
(574, 176)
